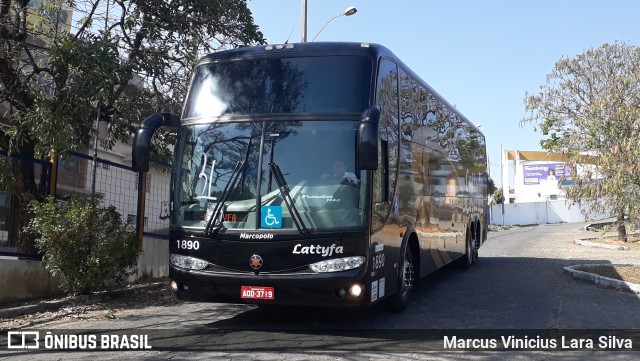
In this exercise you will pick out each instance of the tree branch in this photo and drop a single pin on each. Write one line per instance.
(11, 81)
(87, 20)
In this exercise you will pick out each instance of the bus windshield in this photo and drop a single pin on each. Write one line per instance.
(328, 84)
(225, 162)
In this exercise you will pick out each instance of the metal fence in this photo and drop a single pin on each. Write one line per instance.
(8, 202)
(117, 183)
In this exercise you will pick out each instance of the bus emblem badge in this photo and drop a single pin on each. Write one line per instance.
(255, 261)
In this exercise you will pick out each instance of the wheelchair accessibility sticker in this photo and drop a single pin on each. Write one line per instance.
(271, 217)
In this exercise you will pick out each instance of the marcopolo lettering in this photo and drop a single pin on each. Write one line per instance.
(256, 235)
(317, 249)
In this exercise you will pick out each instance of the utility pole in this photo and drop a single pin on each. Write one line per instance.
(505, 185)
(303, 38)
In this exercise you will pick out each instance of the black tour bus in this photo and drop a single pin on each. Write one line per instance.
(317, 174)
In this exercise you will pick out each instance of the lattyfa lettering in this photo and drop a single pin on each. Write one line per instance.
(317, 249)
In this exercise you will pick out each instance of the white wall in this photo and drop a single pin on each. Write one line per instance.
(25, 280)
(539, 213)
(154, 259)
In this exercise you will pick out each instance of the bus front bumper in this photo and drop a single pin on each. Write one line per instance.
(321, 290)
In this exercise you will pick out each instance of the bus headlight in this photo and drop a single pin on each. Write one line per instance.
(188, 262)
(337, 264)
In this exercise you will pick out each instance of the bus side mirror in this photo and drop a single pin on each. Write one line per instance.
(367, 141)
(142, 138)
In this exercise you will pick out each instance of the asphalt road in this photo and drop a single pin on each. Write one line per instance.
(517, 285)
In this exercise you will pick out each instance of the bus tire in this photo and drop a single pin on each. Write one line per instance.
(471, 251)
(406, 281)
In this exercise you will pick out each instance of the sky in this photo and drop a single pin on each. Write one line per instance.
(483, 56)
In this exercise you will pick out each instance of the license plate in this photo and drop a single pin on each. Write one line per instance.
(257, 293)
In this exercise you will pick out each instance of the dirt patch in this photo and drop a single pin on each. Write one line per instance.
(628, 273)
(633, 241)
(116, 307)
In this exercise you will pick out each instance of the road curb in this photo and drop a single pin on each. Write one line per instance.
(599, 225)
(602, 281)
(52, 305)
(583, 242)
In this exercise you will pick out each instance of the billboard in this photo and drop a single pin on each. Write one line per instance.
(541, 173)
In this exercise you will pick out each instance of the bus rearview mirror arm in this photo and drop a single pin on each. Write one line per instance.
(142, 138)
(367, 141)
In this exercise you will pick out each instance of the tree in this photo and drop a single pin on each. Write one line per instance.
(491, 186)
(590, 106)
(497, 196)
(128, 58)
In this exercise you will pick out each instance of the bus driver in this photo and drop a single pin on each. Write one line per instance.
(340, 174)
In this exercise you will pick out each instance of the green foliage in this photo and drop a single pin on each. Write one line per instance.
(84, 74)
(491, 186)
(497, 196)
(135, 58)
(6, 177)
(86, 247)
(589, 109)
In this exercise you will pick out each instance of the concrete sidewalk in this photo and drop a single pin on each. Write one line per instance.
(58, 303)
(624, 255)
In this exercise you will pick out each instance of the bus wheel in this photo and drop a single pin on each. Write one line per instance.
(471, 253)
(407, 279)
(475, 244)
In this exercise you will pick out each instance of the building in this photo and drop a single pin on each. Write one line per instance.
(538, 176)
(539, 183)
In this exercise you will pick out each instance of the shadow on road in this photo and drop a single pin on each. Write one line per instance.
(501, 298)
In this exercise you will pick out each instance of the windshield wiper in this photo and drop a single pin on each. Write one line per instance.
(284, 190)
(211, 223)
(237, 171)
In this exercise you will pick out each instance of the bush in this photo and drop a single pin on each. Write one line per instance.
(86, 247)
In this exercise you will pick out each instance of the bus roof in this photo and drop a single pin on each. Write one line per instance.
(301, 49)
(372, 50)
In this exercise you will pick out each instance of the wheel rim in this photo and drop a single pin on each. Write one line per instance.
(470, 255)
(474, 249)
(408, 275)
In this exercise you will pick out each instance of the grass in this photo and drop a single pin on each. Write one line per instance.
(627, 273)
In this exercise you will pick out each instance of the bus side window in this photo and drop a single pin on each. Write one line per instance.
(381, 175)
(387, 98)
(386, 186)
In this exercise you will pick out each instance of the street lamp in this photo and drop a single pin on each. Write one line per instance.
(348, 12)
